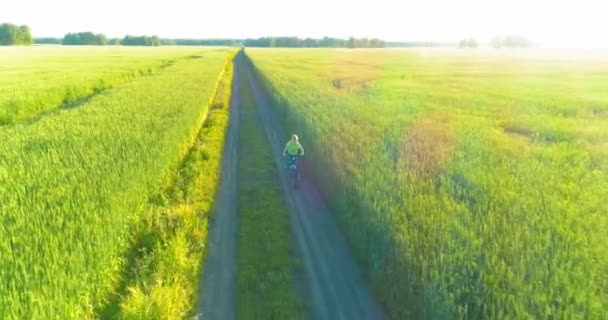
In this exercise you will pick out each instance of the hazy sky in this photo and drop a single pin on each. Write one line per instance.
(581, 22)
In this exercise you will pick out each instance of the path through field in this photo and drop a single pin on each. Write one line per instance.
(218, 279)
(333, 284)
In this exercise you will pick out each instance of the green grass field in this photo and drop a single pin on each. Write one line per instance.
(81, 185)
(34, 81)
(472, 184)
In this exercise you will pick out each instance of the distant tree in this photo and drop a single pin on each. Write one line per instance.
(141, 41)
(467, 43)
(11, 34)
(292, 42)
(260, 42)
(188, 42)
(325, 42)
(102, 39)
(377, 43)
(8, 34)
(410, 44)
(351, 43)
(85, 39)
(25, 35)
(511, 41)
(310, 43)
(276, 42)
(328, 42)
(206, 42)
(48, 40)
(154, 41)
(362, 43)
(167, 42)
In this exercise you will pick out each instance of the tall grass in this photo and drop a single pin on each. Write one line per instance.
(75, 186)
(471, 185)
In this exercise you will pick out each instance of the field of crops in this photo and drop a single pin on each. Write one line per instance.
(471, 184)
(74, 183)
(52, 77)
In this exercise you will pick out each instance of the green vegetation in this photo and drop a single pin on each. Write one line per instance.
(48, 40)
(471, 184)
(77, 187)
(468, 43)
(326, 42)
(207, 42)
(85, 38)
(265, 266)
(35, 81)
(151, 41)
(11, 34)
(169, 248)
(91, 39)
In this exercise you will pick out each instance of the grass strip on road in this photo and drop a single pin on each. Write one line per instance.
(265, 262)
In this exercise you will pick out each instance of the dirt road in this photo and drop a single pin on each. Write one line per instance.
(218, 279)
(332, 283)
(335, 288)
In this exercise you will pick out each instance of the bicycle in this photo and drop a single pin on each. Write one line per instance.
(292, 167)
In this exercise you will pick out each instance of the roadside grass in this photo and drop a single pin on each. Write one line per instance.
(76, 187)
(265, 261)
(470, 184)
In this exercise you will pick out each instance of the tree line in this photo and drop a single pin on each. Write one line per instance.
(506, 41)
(511, 41)
(85, 38)
(203, 42)
(90, 38)
(468, 43)
(11, 34)
(287, 42)
(153, 41)
(325, 42)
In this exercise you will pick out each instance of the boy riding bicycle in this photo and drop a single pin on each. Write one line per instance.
(292, 150)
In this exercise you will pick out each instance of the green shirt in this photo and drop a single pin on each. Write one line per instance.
(293, 148)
